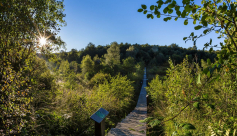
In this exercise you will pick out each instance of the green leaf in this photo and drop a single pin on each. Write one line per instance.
(154, 123)
(204, 23)
(188, 126)
(176, 19)
(194, 10)
(196, 105)
(160, 2)
(188, 133)
(208, 61)
(152, 7)
(178, 13)
(150, 16)
(170, 11)
(186, 22)
(145, 11)
(227, 25)
(182, 124)
(211, 106)
(170, 6)
(159, 6)
(158, 16)
(221, 61)
(198, 79)
(183, 14)
(144, 6)
(140, 10)
(210, 41)
(208, 74)
(198, 27)
(156, 12)
(211, 49)
(224, 8)
(177, 8)
(187, 8)
(196, 99)
(204, 17)
(167, 18)
(146, 119)
(205, 71)
(165, 10)
(185, 38)
(205, 31)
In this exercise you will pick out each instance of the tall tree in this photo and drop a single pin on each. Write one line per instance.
(64, 68)
(74, 66)
(112, 57)
(24, 24)
(87, 67)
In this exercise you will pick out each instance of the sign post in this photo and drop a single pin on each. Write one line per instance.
(99, 118)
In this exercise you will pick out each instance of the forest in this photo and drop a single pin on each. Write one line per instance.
(45, 91)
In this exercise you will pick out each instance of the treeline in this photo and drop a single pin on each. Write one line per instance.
(155, 57)
(152, 55)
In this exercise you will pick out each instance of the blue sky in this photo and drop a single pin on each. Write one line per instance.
(104, 21)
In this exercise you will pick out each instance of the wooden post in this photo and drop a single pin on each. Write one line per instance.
(99, 118)
(100, 128)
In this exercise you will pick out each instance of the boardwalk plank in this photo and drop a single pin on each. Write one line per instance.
(130, 126)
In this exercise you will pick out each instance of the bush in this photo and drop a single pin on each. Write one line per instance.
(185, 97)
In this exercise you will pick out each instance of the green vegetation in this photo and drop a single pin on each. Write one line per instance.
(197, 98)
(48, 93)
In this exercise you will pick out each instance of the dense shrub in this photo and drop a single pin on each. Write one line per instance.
(194, 103)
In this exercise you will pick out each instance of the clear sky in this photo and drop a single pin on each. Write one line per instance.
(104, 21)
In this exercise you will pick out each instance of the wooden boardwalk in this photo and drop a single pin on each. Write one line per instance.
(130, 126)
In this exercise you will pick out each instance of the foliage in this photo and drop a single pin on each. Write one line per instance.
(188, 96)
(113, 55)
(128, 65)
(22, 25)
(201, 89)
(87, 67)
(64, 68)
(216, 15)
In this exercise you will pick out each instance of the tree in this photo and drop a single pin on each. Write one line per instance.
(128, 65)
(132, 51)
(74, 66)
(112, 57)
(23, 23)
(72, 55)
(87, 67)
(97, 62)
(90, 49)
(64, 68)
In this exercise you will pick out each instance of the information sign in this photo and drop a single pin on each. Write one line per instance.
(99, 115)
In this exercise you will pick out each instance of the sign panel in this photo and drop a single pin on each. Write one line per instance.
(99, 115)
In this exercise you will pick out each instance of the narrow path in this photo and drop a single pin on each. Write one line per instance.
(130, 126)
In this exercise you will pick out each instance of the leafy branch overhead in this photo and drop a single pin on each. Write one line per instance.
(212, 16)
(217, 15)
